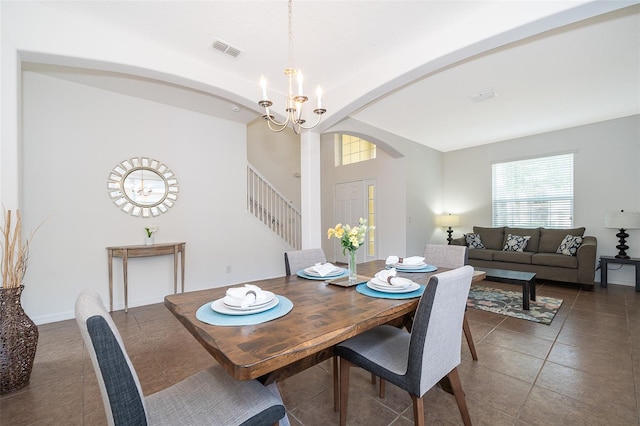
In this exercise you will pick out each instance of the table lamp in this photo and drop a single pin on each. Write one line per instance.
(449, 220)
(622, 221)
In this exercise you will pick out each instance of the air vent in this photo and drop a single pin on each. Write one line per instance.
(226, 48)
(483, 95)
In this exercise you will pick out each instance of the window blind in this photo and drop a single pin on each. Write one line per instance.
(534, 192)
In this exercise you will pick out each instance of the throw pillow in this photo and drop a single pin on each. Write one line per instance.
(473, 241)
(516, 242)
(570, 245)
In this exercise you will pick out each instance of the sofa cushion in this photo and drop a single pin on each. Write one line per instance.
(550, 239)
(534, 233)
(493, 238)
(515, 242)
(513, 257)
(486, 254)
(474, 241)
(570, 245)
(555, 259)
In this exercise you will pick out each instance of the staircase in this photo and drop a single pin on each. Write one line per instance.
(270, 207)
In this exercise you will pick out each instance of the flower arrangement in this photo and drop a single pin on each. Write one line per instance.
(150, 230)
(15, 251)
(351, 238)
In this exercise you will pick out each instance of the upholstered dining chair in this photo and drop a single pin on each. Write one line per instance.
(210, 397)
(299, 259)
(293, 262)
(415, 361)
(451, 257)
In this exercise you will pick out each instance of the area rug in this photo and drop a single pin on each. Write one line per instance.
(509, 303)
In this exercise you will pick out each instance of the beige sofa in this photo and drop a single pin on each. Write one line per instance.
(539, 255)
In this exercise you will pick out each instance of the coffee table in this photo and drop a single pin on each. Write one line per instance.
(525, 279)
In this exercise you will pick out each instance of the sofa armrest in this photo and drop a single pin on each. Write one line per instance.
(587, 260)
(460, 241)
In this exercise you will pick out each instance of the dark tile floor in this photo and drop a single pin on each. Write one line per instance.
(584, 369)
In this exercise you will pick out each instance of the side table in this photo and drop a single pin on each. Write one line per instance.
(125, 252)
(605, 260)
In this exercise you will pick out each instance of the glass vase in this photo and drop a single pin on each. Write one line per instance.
(353, 267)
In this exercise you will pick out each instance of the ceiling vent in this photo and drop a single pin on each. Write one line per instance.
(483, 95)
(226, 48)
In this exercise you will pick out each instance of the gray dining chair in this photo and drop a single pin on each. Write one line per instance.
(210, 397)
(293, 262)
(296, 260)
(415, 361)
(451, 257)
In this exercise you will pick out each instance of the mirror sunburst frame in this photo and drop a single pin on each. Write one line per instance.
(142, 187)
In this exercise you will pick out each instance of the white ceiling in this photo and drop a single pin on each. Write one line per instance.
(407, 67)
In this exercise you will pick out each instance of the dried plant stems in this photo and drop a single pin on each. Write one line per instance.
(15, 251)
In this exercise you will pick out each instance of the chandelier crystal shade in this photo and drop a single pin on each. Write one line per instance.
(295, 98)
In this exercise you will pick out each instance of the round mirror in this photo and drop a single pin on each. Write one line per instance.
(142, 187)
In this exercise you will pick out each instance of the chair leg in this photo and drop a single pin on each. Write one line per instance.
(467, 334)
(454, 378)
(336, 385)
(418, 410)
(373, 379)
(381, 392)
(344, 390)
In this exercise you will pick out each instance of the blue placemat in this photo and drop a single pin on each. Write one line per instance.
(208, 315)
(427, 268)
(363, 289)
(302, 274)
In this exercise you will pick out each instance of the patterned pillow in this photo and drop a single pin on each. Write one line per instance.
(516, 242)
(473, 241)
(570, 245)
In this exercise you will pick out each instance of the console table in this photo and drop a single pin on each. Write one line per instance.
(126, 252)
(605, 260)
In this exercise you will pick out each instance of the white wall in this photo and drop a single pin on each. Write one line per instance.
(73, 136)
(277, 157)
(409, 188)
(606, 177)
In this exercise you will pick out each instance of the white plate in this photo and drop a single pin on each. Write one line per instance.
(386, 289)
(405, 266)
(234, 303)
(221, 308)
(337, 271)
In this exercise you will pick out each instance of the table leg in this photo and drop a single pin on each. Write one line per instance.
(110, 256)
(182, 249)
(603, 273)
(526, 293)
(175, 269)
(533, 289)
(637, 279)
(125, 265)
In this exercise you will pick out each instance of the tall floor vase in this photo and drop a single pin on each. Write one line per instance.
(18, 341)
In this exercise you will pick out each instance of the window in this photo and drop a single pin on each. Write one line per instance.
(371, 220)
(532, 193)
(355, 149)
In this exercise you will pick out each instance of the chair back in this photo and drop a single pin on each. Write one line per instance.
(300, 259)
(449, 257)
(119, 385)
(434, 348)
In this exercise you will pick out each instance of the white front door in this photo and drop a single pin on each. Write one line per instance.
(349, 208)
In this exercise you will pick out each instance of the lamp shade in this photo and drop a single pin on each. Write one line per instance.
(622, 220)
(449, 220)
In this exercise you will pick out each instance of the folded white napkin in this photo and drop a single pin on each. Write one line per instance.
(246, 296)
(323, 268)
(413, 260)
(388, 277)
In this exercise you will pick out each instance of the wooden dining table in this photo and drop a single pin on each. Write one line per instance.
(323, 315)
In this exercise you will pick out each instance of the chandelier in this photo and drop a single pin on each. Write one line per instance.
(295, 101)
